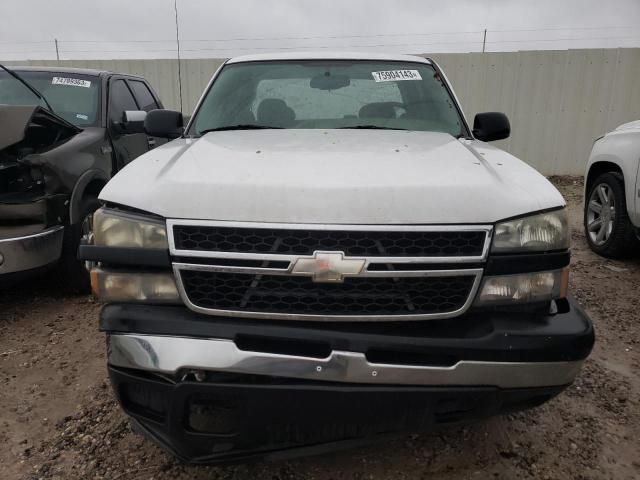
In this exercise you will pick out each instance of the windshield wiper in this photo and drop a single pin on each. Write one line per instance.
(371, 127)
(247, 126)
(28, 85)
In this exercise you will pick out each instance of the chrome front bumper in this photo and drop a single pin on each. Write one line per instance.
(32, 251)
(171, 355)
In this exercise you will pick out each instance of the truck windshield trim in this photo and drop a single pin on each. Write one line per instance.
(329, 94)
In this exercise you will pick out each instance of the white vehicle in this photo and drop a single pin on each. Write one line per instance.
(327, 253)
(612, 192)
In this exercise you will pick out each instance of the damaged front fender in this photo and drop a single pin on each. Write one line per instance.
(42, 156)
(32, 127)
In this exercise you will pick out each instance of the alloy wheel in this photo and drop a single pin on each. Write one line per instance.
(601, 214)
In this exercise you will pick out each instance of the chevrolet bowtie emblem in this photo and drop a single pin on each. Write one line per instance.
(328, 266)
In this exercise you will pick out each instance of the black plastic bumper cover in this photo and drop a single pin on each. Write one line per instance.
(236, 420)
(234, 417)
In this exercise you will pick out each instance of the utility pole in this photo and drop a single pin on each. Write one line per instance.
(484, 40)
(175, 9)
(57, 51)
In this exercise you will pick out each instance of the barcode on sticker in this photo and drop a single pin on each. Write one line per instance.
(394, 75)
(74, 82)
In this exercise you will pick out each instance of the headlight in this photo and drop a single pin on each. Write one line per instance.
(523, 288)
(116, 286)
(117, 229)
(536, 233)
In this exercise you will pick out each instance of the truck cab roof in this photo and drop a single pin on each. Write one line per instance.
(265, 57)
(76, 71)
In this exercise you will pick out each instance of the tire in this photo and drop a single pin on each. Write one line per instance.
(72, 272)
(619, 238)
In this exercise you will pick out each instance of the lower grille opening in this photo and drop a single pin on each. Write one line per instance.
(391, 357)
(283, 346)
(300, 295)
(217, 414)
(144, 400)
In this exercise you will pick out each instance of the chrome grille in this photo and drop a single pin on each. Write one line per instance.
(299, 296)
(305, 242)
(261, 270)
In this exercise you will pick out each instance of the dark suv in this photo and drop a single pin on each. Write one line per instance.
(65, 133)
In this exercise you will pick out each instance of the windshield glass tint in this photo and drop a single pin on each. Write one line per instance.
(72, 97)
(329, 94)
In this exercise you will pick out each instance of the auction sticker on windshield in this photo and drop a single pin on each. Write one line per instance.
(74, 82)
(393, 75)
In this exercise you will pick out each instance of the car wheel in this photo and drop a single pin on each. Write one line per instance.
(73, 272)
(607, 227)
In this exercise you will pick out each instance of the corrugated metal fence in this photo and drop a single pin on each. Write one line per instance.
(558, 101)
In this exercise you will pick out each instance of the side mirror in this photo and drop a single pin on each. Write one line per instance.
(491, 126)
(133, 121)
(164, 123)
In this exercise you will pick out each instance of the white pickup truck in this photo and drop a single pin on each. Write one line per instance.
(612, 192)
(325, 254)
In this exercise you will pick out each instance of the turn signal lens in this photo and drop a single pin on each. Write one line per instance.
(115, 286)
(523, 288)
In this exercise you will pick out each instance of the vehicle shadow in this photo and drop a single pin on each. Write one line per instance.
(458, 449)
(47, 285)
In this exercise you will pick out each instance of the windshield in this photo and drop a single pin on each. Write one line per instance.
(72, 97)
(329, 94)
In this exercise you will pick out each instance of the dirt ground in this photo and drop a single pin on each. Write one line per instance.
(59, 420)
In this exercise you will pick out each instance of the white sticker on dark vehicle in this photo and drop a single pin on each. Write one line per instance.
(74, 82)
(394, 75)
(82, 116)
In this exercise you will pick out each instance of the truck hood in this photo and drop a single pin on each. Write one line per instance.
(16, 120)
(332, 176)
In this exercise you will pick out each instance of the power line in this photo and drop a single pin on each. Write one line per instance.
(550, 29)
(560, 39)
(172, 50)
(118, 41)
(396, 44)
(332, 37)
(413, 45)
(329, 46)
(66, 52)
(461, 32)
(29, 51)
(257, 48)
(306, 47)
(21, 42)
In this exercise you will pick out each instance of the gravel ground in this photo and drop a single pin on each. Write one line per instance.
(59, 420)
